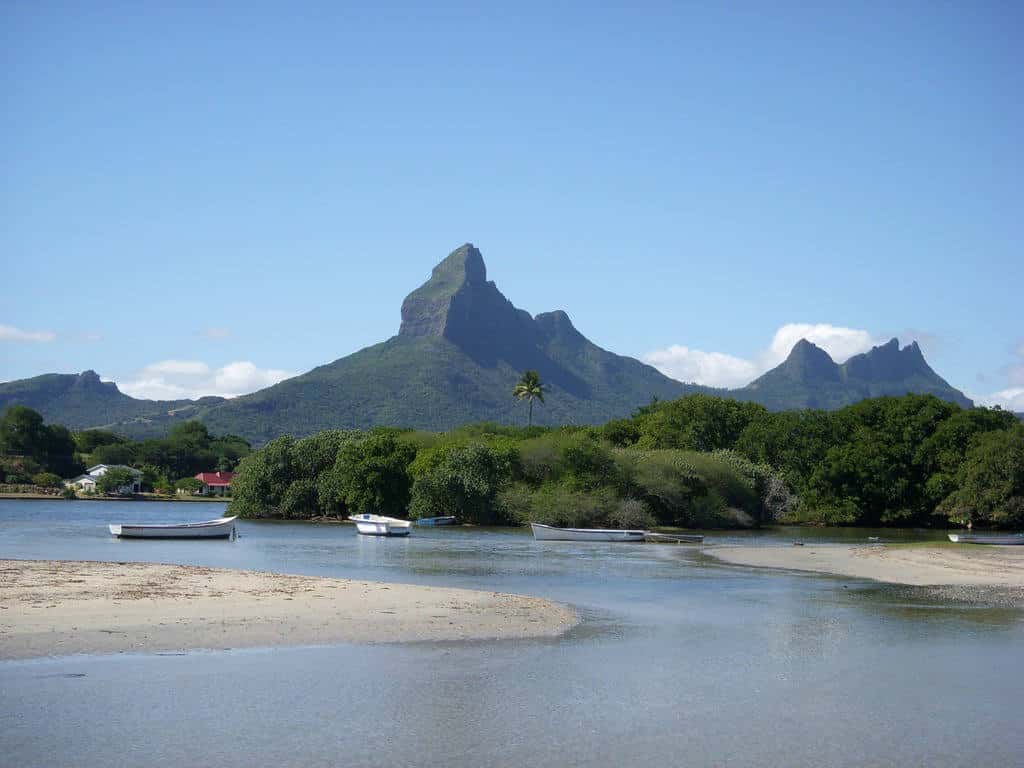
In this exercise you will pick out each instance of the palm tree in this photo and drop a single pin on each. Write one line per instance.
(529, 388)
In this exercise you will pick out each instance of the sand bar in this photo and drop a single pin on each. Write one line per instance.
(52, 608)
(963, 565)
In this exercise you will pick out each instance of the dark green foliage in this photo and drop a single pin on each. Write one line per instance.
(189, 484)
(694, 423)
(115, 453)
(370, 475)
(990, 480)
(187, 450)
(890, 460)
(47, 480)
(263, 478)
(115, 480)
(26, 441)
(460, 480)
(89, 440)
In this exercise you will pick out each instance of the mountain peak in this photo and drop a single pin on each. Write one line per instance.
(463, 265)
(426, 310)
(887, 362)
(808, 362)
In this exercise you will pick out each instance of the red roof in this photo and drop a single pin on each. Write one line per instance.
(215, 478)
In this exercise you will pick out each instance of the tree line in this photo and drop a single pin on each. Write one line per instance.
(34, 452)
(699, 461)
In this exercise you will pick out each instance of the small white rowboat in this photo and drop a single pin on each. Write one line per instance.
(974, 538)
(550, 533)
(221, 528)
(379, 525)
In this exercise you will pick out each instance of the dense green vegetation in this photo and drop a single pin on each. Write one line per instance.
(699, 461)
(33, 452)
(29, 448)
(489, 474)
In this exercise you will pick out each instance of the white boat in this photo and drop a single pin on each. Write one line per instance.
(443, 520)
(975, 538)
(543, 532)
(221, 528)
(379, 525)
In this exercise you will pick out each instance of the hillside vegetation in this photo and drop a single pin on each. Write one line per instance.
(698, 461)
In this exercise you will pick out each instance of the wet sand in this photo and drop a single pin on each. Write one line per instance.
(51, 608)
(962, 566)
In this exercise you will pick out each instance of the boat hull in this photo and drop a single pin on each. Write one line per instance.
(222, 528)
(971, 538)
(445, 520)
(550, 533)
(378, 525)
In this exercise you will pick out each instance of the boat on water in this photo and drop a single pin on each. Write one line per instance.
(379, 525)
(543, 532)
(976, 538)
(442, 520)
(221, 528)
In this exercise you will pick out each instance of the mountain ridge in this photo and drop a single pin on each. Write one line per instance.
(460, 347)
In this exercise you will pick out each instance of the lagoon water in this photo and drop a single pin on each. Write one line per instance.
(678, 661)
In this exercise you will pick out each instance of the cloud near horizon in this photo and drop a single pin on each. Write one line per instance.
(10, 333)
(719, 369)
(191, 379)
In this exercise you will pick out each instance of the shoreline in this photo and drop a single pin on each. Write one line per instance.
(968, 572)
(140, 497)
(58, 608)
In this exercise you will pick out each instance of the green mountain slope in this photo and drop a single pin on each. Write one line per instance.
(809, 378)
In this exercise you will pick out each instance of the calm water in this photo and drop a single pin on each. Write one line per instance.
(678, 662)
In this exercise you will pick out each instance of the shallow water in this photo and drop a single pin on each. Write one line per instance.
(678, 661)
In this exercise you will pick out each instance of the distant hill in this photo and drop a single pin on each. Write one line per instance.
(809, 378)
(460, 348)
(82, 401)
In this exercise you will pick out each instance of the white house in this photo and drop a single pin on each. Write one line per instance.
(87, 482)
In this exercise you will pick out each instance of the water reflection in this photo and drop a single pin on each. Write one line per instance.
(678, 661)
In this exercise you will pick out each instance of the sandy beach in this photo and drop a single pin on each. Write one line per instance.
(50, 608)
(966, 566)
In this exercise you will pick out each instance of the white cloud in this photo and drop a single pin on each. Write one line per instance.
(10, 333)
(180, 379)
(840, 343)
(714, 369)
(719, 369)
(1011, 399)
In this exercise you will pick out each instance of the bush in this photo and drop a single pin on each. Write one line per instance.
(47, 480)
(632, 513)
(458, 480)
(115, 481)
(188, 484)
(370, 475)
(300, 500)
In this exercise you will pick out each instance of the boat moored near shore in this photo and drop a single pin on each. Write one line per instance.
(543, 532)
(379, 525)
(977, 538)
(221, 528)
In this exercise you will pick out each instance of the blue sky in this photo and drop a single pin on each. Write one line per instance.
(208, 197)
